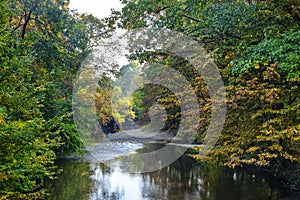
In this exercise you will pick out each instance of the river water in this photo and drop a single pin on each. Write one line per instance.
(182, 180)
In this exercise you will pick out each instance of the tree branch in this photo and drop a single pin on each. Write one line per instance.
(191, 18)
(27, 19)
(158, 10)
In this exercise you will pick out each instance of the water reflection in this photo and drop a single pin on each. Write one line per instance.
(73, 183)
(114, 184)
(184, 179)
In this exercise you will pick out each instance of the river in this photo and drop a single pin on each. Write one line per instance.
(182, 180)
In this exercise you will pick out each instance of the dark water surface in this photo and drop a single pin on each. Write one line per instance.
(182, 180)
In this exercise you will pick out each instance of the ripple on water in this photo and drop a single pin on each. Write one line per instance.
(109, 150)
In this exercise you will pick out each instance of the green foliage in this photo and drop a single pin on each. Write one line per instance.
(64, 131)
(42, 45)
(283, 50)
(27, 158)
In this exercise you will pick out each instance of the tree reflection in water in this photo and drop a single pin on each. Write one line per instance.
(184, 179)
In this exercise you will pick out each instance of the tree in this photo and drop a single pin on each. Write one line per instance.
(42, 46)
(26, 144)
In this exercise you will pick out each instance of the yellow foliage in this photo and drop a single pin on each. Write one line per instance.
(3, 176)
(252, 149)
(20, 125)
(249, 161)
(1, 119)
